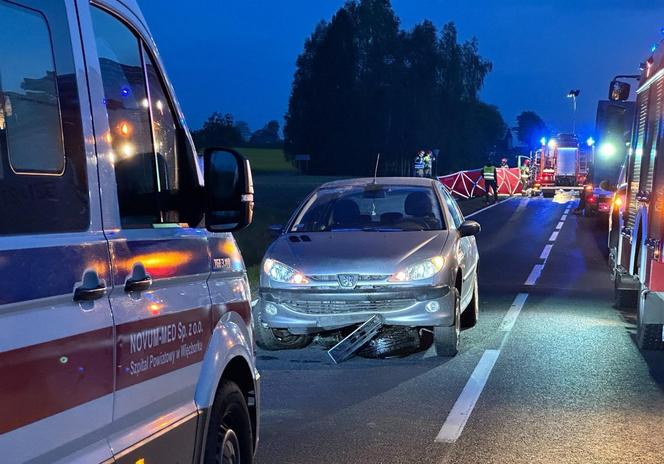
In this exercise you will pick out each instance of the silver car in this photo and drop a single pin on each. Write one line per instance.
(398, 247)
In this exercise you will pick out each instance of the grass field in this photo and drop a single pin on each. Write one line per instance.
(276, 196)
(267, 160)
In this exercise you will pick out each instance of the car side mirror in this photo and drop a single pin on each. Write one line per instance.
(229, 190)
(469, 228)
(619, 91)
(608, 186)
(275, 230)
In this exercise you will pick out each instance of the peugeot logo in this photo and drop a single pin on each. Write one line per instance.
(347, 280)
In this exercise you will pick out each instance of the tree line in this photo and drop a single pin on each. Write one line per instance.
(222, 130)
(364, 86)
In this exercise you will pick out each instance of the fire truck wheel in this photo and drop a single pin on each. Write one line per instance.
(625, 299)
(649, 337)
(229, 436)
(471, 313)
(446, 339)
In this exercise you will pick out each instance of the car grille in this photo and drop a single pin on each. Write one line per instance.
(348, 307)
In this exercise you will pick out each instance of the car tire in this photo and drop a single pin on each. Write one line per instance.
(392, 342)
(277, 339)
(229, 436)
(470, 315)
(446, 339)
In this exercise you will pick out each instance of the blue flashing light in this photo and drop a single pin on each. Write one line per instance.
(543, 140)
(124, 91)
(653, 49)
(590, 141)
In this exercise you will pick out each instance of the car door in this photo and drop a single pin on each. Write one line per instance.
(466, 251)
(56, 326)
(160, 260)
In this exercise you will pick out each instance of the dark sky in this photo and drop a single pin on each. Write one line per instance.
(239, 56)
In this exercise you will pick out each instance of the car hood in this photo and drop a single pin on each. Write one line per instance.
(359, 252)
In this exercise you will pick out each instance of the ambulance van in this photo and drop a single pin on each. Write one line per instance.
(125, 317)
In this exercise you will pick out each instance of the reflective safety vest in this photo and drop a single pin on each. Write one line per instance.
(427, 161)
(419, 163)
(489, 173)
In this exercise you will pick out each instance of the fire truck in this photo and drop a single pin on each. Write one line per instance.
(561, 165)
(639, 271)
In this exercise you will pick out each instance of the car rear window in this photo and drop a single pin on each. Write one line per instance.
(381, 208)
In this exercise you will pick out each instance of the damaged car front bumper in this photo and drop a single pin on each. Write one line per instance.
(305, 311)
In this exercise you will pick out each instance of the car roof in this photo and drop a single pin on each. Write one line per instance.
(364, 181)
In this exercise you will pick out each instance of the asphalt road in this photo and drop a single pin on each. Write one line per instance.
(551, 374)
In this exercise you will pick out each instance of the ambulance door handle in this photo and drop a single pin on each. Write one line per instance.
(139, 280)
(92, 287)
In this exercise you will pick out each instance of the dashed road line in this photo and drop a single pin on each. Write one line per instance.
(462, 409)
(510, 318)
(546, 252)
(554, 236)
(534, 274)
(560, 225)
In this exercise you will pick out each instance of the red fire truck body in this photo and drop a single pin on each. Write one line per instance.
(561, 165)
(639, 273)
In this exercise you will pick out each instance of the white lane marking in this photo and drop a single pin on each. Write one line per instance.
(546, 252)
(534, 274)
(560, 225)
(510, 318)
(553, 237)
(460, 413)
(484, 209)
(564, 217)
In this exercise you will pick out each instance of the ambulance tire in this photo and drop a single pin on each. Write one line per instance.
(229, 436)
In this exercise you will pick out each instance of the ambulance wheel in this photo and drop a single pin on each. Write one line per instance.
(446, 339)
(649, 337)
(470, 315)
(229, 436)
(277, 339)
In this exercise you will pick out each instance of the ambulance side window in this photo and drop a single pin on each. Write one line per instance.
(43, 177)
(142, 124)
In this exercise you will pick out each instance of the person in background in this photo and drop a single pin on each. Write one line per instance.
(418, 164)
(427, 163)
(585, 191)
(503, 164)
(525, 177)
(490, 175)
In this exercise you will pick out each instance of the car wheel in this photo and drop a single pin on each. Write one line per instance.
(277, 339)
(229, 436)
(446, 339)
(470, 315)
(392, 342)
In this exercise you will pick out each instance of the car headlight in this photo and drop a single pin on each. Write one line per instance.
(279, 272)
(419, 271)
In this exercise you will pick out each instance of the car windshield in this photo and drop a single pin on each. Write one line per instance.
(372, 208)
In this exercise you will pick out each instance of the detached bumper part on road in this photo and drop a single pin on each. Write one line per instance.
(310, 311)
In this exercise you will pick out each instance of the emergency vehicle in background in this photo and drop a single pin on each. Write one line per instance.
(125, 317)
(639, 270)
(560, 164)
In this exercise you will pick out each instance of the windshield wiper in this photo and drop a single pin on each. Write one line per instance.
(381, 229)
